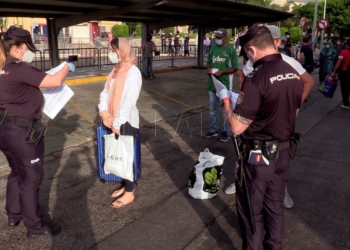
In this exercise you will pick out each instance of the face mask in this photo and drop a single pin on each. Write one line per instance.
(28, 56)
(338, 42)
(218, 42)
(287, 36)
(327, 46)
(252, 57)
(113, 57)
(281, 46)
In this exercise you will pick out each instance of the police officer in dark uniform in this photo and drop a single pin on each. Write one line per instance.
(21, 129)
(264, 117)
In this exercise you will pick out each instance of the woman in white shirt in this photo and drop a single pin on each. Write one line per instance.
(118, 104)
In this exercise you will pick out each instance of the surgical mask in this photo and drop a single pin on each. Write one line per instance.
(28, 56)
(327, 46)
(287, 36)
(281, 46)
(218, 42)
(113, 57)
(338, 42)
(252, 57)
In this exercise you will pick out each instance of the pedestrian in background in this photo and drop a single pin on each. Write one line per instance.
(222, 63)
(186, 45)
(283, 49)
(147, 56)
(117, 105)
(326, 61)
(289, 41)
(21, 98)
(343, 65)
(306, 56)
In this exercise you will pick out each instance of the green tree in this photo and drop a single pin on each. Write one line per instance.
(229, 35)
(168, 30)
(283, 31)
(120, 30)
(138, 29)
(295, 34)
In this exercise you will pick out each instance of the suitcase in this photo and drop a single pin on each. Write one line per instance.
(101, 130)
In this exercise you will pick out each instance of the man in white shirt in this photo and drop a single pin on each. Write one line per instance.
(308, 83)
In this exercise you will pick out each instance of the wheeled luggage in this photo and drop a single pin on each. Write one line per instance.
(101, 130)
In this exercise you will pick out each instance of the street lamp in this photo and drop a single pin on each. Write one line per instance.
(314, 24)
(324, 16)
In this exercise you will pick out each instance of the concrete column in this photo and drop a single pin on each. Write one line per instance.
(52, 41)
(200, 47)
(144, 32)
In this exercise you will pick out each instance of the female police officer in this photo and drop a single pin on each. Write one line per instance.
(21, 104)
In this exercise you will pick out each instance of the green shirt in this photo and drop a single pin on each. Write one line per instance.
(222, 58)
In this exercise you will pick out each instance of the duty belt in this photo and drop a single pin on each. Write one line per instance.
(19, 121)
(281, 145)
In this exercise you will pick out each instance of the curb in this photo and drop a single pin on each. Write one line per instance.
(83, 80)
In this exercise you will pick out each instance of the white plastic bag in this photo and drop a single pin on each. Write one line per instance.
(119, 156)
(204, 180)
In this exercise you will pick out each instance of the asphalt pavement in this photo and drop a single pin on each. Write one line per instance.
(174, 115)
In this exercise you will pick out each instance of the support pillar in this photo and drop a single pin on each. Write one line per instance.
(52, 41)
(200, 49)
(144, 33)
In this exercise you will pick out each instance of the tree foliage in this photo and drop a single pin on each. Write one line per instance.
(337, 12)
(168, 30)
(120, 30)
(295, 34)
(138, 29)
(283, 31)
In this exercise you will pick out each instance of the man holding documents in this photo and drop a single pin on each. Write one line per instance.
(222, 63)
(264, 118)
(22, 131)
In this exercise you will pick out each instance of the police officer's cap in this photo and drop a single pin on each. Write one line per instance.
(20, 35)
(255, 30)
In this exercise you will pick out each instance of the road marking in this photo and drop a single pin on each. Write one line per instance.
(168, 97)
(83, 113)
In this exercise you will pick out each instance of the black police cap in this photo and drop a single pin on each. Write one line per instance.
(20, 35)
(255, 30)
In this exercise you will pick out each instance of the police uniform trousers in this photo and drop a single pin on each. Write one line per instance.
(26, 163)
(266, 189)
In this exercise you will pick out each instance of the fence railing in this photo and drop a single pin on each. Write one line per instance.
(91, 57)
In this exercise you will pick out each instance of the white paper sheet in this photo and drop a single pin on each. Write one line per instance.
(219, 86)
(56, 98)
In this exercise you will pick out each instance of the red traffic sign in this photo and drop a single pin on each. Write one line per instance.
(323, 24)
(303, 22)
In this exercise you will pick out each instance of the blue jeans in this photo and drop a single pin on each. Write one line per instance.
(213, 111)
(148, 66)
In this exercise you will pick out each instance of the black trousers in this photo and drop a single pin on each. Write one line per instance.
(266, 190)
(127, 129)
(345, 87)
(26, 163)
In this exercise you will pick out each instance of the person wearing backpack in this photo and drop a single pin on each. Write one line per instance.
(343, 64)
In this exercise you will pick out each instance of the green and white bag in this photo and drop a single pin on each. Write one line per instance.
(204, 180)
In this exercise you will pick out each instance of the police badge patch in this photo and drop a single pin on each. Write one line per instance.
(240, 97)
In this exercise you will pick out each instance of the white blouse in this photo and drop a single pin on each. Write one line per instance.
(128, 111)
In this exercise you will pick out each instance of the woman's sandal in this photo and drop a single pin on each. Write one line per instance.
(117, 194)
(119, 204)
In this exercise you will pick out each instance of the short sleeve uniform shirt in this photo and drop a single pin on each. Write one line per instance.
(270, 96)
(19, 90)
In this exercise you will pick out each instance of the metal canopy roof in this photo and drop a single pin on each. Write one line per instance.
(158, 14)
